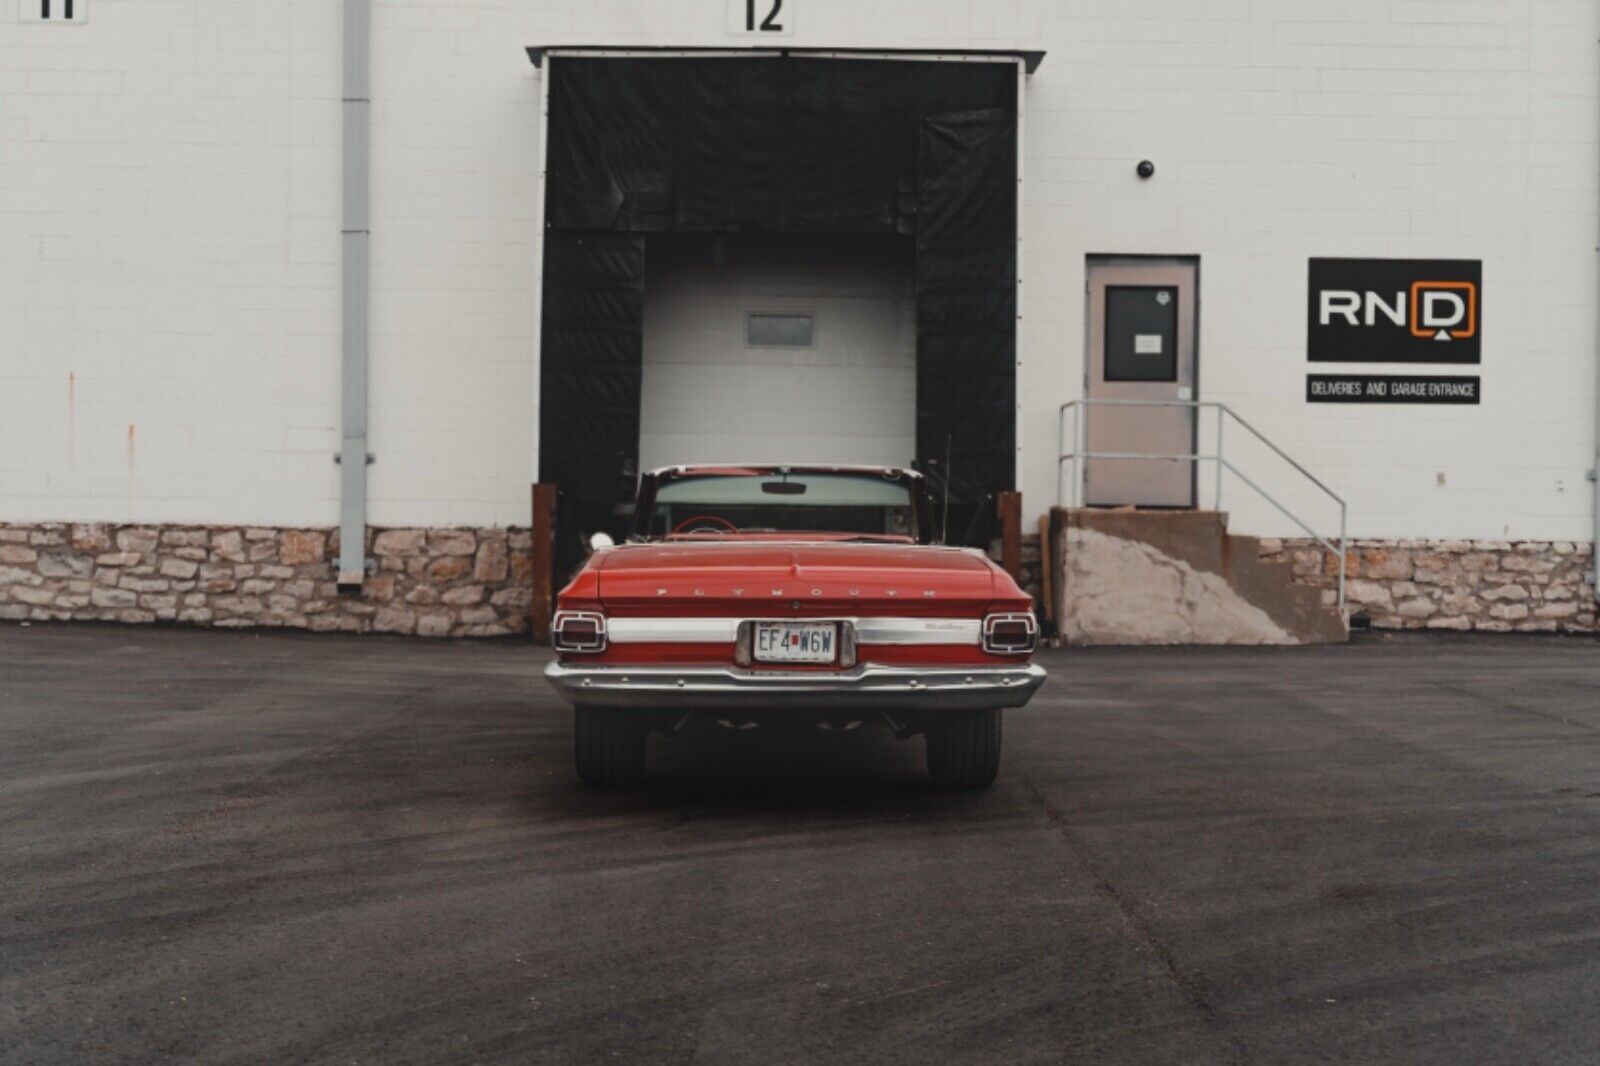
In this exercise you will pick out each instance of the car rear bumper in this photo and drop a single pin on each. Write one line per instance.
(869, 687)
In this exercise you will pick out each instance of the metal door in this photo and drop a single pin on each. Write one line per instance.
(1141, 346)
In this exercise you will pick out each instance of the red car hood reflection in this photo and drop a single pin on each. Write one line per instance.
(790, 579)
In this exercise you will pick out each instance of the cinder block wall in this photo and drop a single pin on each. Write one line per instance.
(169, 264)
(1283, 131)
(169, 241)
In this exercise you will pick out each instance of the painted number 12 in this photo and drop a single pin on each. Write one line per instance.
(770, 24)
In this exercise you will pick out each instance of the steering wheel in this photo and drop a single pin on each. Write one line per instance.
(709, 519)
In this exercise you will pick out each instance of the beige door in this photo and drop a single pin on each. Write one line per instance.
(1141, 346)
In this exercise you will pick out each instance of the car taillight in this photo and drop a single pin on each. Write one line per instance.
(578, 632)
(1009, 634)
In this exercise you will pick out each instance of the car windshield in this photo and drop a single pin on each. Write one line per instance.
(711, 504)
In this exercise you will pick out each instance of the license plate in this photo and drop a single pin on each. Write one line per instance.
(795, 642)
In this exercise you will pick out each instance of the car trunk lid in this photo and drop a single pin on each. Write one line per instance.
(793, 580)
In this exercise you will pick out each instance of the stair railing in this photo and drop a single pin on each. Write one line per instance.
(1080, 453)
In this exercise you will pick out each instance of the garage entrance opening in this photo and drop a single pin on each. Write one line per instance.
(779, 348)
(823, 184)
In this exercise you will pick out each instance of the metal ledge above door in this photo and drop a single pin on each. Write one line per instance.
(1030, 59)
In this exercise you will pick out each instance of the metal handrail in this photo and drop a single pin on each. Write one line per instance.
(1081, 454)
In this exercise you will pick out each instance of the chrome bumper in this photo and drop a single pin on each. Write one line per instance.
(868, 687)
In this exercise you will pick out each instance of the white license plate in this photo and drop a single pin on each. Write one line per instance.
(795, 642)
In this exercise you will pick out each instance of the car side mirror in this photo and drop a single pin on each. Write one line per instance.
(601, 540)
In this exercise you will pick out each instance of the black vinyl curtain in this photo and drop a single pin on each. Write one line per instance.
(967, 300)
(784, 145)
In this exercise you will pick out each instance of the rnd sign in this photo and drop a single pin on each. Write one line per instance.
(1395, 311)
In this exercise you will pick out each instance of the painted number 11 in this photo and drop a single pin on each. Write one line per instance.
(55, 12)
(770, 24)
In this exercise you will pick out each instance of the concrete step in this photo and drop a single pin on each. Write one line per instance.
(1143, 576)
(1271, 586)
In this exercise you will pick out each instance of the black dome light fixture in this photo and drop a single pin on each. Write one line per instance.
(1145, 169)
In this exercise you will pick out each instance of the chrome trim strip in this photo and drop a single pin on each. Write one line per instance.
(673, 630)
(871, 686)
(874, 630)
(882, 630)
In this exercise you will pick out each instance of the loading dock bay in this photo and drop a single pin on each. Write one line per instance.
(265, 847)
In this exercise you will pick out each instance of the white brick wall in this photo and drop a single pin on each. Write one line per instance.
(1385, 128)
(169, 236)
(168, 262)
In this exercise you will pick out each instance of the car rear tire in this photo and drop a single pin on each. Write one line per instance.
(608, 746)
(964, 749)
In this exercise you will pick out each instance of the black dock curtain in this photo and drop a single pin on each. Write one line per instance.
(712, 145)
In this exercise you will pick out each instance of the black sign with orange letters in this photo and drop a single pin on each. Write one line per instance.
(1395, 311)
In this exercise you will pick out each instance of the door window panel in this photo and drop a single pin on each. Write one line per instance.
(1141, 342)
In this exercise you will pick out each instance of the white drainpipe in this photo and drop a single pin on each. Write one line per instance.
(354, 230)
(1594, 472)
(1594, 466)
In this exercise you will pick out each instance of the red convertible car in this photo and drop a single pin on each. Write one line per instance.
(810, 593)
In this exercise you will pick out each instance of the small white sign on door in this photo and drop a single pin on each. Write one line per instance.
(761, 18)
(1147, 344)
(56, 12)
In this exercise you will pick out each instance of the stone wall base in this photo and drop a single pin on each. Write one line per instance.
(429, 582)
(478, 582)
(1492, 586)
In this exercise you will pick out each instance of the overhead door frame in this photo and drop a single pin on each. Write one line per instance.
(1024, 62)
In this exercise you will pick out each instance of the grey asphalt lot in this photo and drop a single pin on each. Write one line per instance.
(227, 847)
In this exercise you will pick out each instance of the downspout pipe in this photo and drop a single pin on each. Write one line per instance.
(354, 234)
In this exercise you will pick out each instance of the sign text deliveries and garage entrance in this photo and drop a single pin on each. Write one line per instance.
(1390, 388)
(1394, 311)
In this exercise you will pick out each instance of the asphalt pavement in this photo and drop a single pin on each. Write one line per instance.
(228, 847)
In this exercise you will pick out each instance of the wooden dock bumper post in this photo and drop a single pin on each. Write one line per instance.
(1008, 506)
(544, 537)
(1047, 594)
